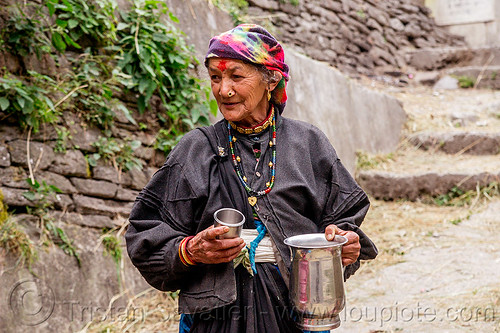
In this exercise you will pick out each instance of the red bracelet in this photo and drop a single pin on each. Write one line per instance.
(183, 253)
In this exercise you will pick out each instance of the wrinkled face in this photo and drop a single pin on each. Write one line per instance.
(239, 90)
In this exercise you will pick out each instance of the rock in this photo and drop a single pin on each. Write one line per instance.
(409, 8)
(396, 24)
(446, 83)
(81, 138)
(4, 156)
(376, 38)
(9, 133)
(266, 4)
(389, 186)
(463, 118)
(338, 45)
(71, 163)
(106, 173)
(331, 18)
(45, 134)
(41, 155)
(413, 30)
(95, 188)
(421, 43)
(10, 62)
(144, 153)
(57, 180)
(14, 197)
(374, 25)
(43, 65)
(332, 5)
(124, 194)
(378, 15)
(362, 44)
(94, 206)
(135, 179)
(426, 78)
(353, 24)
(314, 9)
(348, 35)
(289, 8)
(14, 177)
(92, 221)
(462, 142)
(377, 53)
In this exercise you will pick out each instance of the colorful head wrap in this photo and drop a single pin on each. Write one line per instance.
(254, 44)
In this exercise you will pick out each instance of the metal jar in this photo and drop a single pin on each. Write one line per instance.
(317, 280)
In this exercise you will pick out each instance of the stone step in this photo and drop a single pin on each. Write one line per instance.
(473, 143)
(484, 77)
(433, 59)
(414, 173)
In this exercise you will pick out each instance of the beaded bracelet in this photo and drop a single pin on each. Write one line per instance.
(183, 253)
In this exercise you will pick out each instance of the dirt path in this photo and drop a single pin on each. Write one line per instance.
(449, 283)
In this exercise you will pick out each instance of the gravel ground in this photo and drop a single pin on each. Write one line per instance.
(450, 282)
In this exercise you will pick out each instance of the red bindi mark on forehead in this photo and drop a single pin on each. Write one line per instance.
(222, 65)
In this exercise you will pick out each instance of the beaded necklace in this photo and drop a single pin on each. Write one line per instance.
(253, 194)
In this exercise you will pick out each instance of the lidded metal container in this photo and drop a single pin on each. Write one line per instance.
(317, 280)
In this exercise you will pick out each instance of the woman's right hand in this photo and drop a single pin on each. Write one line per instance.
(205, 248)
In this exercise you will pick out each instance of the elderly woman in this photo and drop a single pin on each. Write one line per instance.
(284, 176)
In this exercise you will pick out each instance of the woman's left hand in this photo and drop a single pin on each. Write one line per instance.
(351, 249)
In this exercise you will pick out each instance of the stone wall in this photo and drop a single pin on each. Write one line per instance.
(356, 36)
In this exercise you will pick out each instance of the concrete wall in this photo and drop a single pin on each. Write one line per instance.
(352, 116)
(477, 21)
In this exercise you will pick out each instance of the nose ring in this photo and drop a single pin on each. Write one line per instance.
(230, 93)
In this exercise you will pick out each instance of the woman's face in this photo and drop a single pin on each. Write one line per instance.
(239, 90)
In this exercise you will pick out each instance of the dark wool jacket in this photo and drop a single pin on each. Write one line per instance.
(312, 190)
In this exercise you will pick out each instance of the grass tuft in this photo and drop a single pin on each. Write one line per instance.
(14, 239)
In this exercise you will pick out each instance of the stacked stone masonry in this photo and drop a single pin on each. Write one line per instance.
(355, 36)
(102, 191)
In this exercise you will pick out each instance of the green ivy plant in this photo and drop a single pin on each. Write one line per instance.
(23, 35)
(28, 103)
(155, 59)
(119, 153)
(81, 22)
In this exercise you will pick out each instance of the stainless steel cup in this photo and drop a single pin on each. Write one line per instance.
(231, 218)
(317, 280)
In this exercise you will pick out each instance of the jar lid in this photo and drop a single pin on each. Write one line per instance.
(314, 241)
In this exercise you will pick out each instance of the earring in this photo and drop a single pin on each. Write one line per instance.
(268, 95)
(230, 93)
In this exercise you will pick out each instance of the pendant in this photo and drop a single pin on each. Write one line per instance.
(252, 201)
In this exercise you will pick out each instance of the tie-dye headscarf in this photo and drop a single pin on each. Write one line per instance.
(254, 44)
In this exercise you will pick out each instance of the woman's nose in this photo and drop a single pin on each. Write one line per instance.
(225, 87)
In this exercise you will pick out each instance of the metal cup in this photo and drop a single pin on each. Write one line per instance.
(231, 218)
(317, 280)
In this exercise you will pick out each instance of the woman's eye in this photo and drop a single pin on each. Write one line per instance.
(214, 77)
(236, 77)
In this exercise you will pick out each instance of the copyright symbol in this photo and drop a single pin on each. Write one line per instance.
(31, 301)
